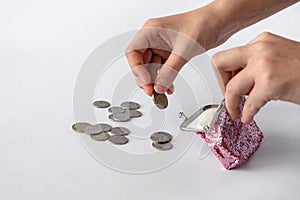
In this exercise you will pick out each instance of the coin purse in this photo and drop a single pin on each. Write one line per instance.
(231, 141)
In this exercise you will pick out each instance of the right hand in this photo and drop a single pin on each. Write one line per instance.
(268, 68)
(164, 45)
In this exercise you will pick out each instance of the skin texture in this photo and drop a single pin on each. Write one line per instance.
(268, 68)
(156, 56)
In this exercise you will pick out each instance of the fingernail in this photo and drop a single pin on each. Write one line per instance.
(169, 92)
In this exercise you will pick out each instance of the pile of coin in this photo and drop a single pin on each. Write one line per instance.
(122, 113)
(161, 140)
(100, 132)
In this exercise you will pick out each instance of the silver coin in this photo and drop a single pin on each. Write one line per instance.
(119, 117)
(92, 129)
(120, 131)
(111, 117)
(161, 137)
(135, 113)
(101, 104)
(80, 127)
(104, 127)
(100, 137)
(116, 109)
(162, 147)
(160, 100)
(118, 139)
(130, 105)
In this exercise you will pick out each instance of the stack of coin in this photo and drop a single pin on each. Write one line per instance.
(125, 112)
(161, 140)
(100, 132)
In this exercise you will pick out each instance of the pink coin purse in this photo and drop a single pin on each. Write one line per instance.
(232, 141)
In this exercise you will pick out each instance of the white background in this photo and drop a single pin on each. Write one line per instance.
(42, 47)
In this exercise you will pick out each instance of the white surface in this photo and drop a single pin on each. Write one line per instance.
(42, 47)
(204, 119)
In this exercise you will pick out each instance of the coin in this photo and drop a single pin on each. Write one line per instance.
(135, 113)
(98, 128)
(104, 127)
(120, 131)
(161, 137)
(160, 100)
(116, 109)
(92, 129)
(80, 127)
(119, 117)
(130, 105)
(101, 104)
(162, 147)
(118, 139)
(100, 137)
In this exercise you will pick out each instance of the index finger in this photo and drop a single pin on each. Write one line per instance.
(136, 60)
(227, 63)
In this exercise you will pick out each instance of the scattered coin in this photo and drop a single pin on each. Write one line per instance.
(130, 105)
(101, 104)
(118, 139)
(119, 117)
(161, 137)
(100, 137)
(160, 100)
(120, 131)
(104, 127)
(135, 113)
(92, 129)
(99, 132)
(80, 127)
(162, 147)
(98, 128)
(116, 109)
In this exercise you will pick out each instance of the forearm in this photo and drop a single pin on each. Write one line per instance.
(234, 15)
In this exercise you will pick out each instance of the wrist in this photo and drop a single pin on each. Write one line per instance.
(218, 25)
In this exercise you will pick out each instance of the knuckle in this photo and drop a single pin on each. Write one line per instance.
(231, 89)
(262, 47)
(251, 109)
(267, 71)
(128, 52)
(153, 22)
(216, 60)
(265, 35)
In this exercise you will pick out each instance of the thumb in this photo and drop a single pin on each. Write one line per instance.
(168, 73)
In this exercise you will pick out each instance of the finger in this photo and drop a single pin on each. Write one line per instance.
(162, 53)
(152, 68)
(134, 58)
(253, 104)
(143, 78)
(148, 89)
(170, 90)
(147, 55)
(236, 88)
(227, 61)
(168, 73)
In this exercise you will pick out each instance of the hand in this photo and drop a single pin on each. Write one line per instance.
(164, 45)
(268, 68)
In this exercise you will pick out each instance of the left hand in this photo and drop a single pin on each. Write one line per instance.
(268, 68)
